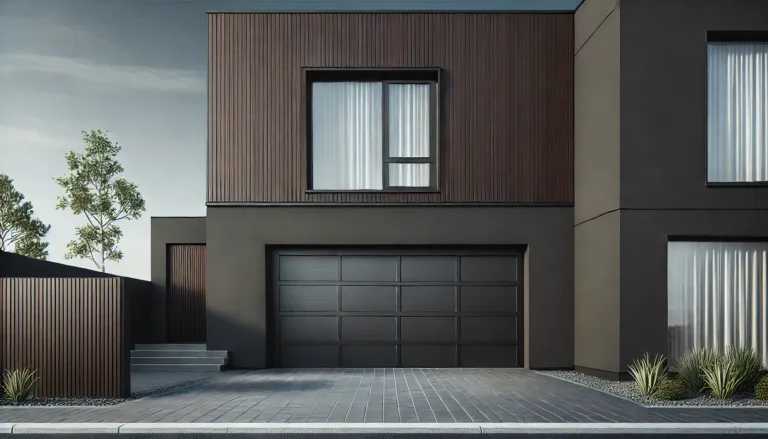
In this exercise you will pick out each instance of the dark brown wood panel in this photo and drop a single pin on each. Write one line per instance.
(71, 331)
(506, 122)
(186, 293)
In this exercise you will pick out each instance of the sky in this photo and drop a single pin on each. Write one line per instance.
(137, 70)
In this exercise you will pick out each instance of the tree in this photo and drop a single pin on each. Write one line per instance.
(19, 231)
(93, 189)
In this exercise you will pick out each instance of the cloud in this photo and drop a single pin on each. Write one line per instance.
(120, 77)
(20, 137)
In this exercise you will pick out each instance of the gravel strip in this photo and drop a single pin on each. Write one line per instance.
(97, 402)
(627, 389)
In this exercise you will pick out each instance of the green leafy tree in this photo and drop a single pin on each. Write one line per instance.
(94, 189)
(20, 232)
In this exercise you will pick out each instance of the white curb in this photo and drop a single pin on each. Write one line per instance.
(389, 428)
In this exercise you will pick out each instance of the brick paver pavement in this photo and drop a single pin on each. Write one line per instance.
(382, 395)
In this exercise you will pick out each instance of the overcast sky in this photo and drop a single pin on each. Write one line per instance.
(136, 69)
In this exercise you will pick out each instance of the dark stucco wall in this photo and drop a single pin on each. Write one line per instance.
(165, 231)
(236, 253)
(664, 101)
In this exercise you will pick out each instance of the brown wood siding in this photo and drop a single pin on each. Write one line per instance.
(71, 331)
(186, 293)
(506, 124)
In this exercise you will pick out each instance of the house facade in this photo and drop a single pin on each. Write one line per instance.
(478, 189)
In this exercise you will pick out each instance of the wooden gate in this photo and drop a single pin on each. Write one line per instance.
(186, 293)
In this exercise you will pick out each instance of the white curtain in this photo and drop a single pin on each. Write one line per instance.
(409, 174)
(717, 296)
(346, 136)
(409, 120)
(738, 112)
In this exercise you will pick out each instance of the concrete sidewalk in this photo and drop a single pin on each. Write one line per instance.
(387, 430)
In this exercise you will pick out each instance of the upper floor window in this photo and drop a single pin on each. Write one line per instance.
(737, 112)
(373, 131)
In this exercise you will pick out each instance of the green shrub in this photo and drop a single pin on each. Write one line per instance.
(648, 374)
(761, 388)
(723, 377)
(746, 360)
(690, 368)
(20, 384)
(671, 390)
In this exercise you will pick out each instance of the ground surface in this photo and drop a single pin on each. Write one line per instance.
(381, 395)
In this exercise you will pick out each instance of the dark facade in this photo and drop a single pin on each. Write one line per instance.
(577, 141)
(640, 154)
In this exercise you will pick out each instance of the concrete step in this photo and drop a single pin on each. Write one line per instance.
(171, 347)
(177, 367)
(179, 360)
(182, 353)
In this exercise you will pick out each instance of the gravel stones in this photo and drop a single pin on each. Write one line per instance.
(95, 402)
(627, 389)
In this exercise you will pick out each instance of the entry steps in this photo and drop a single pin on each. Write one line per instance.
(186, 357)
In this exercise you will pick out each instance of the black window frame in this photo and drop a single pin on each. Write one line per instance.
(727, 36)
(385, 76)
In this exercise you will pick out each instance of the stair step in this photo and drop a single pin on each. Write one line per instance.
(182, 353)
(177, 367)
(171, 347)
(179, 360)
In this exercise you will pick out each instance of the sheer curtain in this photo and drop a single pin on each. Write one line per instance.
(717, 296)
(738, 112)
(346, 136)
(409, 123)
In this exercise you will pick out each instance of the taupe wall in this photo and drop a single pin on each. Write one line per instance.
(237, 240)
(596, 184)
(626, 214)
(165, 231)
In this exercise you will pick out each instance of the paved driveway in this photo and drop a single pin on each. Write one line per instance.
(382, 395)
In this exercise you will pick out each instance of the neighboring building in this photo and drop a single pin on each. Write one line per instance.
(479, 189)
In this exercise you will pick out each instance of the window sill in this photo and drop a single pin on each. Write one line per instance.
(746, 184)
(383, 191)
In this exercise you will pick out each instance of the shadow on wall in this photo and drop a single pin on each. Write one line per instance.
(250, 346)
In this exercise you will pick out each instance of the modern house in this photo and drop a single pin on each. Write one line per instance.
(460, 189)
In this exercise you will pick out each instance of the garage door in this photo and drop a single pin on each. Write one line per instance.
(416, 308)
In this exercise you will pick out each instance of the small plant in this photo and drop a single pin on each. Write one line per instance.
(20, 384)
(761, 388)
(746, 360)
(671, 390)
(723, 378)
(648, 374)
(690, 368)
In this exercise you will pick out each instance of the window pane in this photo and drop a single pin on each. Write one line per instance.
(346, 136)
(409, 174)
(738, 112)
(409, 120)
(717, 296)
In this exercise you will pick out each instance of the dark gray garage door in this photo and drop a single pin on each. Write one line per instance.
(387, 308)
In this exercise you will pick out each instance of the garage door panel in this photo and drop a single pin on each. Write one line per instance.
(489, 329)
(368, 329)
(488, 356)
(309, 356)
(296, 298)
(308, 328)
(368, 356)
(428, 356)
(423, 307)
(368, 268)
(418, 329)
(368, 298)
(440, 298)
(309, 268)
(489, 298)
(489, 269)
(428, 268)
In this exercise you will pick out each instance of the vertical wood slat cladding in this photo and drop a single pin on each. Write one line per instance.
(186, 293)
(70, 330)
(506, 128)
